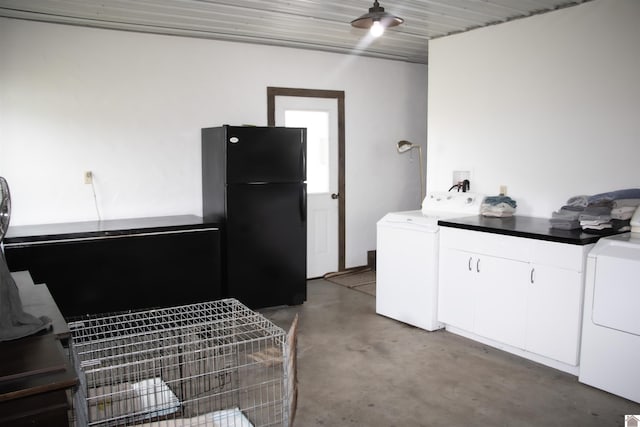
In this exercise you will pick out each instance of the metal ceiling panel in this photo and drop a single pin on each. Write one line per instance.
(307, 24)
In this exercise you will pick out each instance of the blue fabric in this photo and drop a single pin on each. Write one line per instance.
(495, 200)
(629, 193)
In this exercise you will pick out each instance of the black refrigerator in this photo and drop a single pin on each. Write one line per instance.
(253, 181)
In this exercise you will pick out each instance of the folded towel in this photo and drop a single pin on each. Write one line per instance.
(603, 226)
(592, 212)
(572, 208)
(565, 215)
(603, 203)
(578, 201)
(604, 232)
(494, 200)
(629, 193)
(594, 222)
(621, 203)
(497, 214)
(565, 225)
(497, 210)
(596, 218)
(625, 212)
(621, 224)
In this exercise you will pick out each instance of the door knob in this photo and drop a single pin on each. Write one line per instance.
(335, 196)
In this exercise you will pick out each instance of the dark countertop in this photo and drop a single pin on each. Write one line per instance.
(112, 227)
(522, 226)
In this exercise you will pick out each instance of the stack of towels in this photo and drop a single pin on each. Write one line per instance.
(499, 206)
(602, 213)
(568, 216)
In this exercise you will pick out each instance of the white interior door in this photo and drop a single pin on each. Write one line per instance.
(320, 117)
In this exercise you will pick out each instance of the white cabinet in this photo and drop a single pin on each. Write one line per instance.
(522, 292)
(499, 298)
(477, 293)
(456, 288)
(554, 313)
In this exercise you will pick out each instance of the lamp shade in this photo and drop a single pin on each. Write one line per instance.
(376, 14)
(404, 146)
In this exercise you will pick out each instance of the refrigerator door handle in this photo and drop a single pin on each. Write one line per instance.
(303, 203)
(303, 164)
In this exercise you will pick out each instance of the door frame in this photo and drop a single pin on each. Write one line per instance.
(338, 95)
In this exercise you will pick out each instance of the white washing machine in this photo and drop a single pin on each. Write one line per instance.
(610, 353)
(407, 257)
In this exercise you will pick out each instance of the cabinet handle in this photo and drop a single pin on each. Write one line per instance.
(469, 264)
(478, 265)
(531, 279)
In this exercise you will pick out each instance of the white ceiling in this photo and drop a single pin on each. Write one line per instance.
(309, 24)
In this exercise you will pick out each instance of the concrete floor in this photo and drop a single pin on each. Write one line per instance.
(356, 368)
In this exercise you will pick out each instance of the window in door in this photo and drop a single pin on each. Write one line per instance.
(317, 124)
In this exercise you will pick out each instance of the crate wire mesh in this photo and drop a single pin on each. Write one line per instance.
(209, 364)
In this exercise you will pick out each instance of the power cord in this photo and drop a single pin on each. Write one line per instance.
(95, 199)
(464, 185)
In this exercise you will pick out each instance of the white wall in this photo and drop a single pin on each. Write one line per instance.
(130, 106)
(548, 105)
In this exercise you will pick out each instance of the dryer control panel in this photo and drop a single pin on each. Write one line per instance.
(454, 202)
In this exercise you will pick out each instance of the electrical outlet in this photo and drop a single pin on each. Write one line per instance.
(503, 190)
(88, 177)
(459, 176)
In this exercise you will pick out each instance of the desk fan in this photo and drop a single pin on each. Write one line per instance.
(5, 207)
(14, 322)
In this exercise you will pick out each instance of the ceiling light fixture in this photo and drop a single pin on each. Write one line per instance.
(376, 20)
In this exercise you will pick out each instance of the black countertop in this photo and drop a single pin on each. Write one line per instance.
(522, 226)
(112, 227)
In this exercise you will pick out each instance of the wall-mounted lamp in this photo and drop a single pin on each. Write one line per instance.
(404, 146)
(376, 20)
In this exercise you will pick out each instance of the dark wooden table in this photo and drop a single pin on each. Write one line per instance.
(36, 377)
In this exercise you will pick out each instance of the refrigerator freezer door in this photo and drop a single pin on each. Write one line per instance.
(266, 243)
(265, 154)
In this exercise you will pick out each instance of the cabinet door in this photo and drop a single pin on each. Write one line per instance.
(456, 288)
(554, 313)
(129, 272)
(501, 299)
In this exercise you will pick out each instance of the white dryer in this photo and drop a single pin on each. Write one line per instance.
(407, 257)
(610, 353)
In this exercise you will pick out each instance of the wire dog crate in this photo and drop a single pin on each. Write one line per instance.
(216, 364)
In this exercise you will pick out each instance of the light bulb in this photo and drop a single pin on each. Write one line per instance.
(377, 29)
